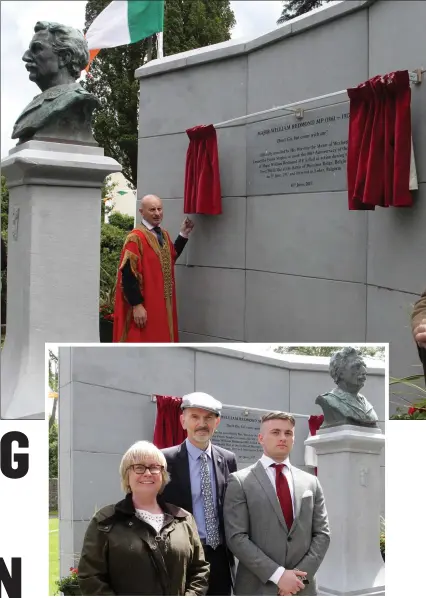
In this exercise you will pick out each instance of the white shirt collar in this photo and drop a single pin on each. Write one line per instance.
(267, 461)
(195, 452)
(147, 224)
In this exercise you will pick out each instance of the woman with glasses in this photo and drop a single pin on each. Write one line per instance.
(143, 546)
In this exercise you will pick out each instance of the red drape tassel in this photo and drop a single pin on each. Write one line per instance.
(168, 430)
(202, 193)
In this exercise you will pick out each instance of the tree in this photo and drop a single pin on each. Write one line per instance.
(107, 191)
(377, 352)
(53, 451)
(295, 8)
(122, 221)
(113, 235)
(4, 223)
(53, 384)
(112, 241)
(4, 207)
(188, 24)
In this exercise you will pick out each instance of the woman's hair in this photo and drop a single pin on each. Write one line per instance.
(339, 361)
(143, 453)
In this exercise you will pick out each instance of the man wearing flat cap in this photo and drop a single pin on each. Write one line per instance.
(199, 473)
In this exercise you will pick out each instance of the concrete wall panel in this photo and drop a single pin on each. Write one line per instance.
(140, 373)
(307, 65)
(212, 301)
(279, 308)
(236, 382)
(308, 234)
(392, 235)
(208, 94)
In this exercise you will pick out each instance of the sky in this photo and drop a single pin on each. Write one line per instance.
(253, 18)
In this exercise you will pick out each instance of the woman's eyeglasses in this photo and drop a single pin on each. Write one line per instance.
(140, 469)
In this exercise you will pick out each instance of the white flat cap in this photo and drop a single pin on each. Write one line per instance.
(201, 400)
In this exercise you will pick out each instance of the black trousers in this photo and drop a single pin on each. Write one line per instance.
(220, 575)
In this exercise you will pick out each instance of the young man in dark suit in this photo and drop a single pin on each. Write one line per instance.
(199, 473)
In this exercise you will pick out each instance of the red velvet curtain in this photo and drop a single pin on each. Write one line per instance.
(168, 430)
(379, 145)
(315, 422)
(202, 194)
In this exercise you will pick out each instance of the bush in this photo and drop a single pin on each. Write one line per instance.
(122, 221)
(112, 241)
(416, 405)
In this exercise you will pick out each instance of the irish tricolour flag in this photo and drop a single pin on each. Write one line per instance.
(122, 23)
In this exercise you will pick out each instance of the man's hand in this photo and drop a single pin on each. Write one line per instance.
(140, 315)
(419, 333)
(186, 228)
(290, 583)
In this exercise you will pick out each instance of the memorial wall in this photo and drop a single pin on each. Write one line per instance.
(287, 261)
(106, 405)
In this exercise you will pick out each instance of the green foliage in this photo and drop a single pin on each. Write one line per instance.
(4, 222)
(69, 585)
(412, 394)
(4, 207)
(122, 221)
(188, 24)
(107, 191)
(295, 8)
(112, 241)
(53, 371)
(373, 352)
(53, 450)
(113, 234)
(415, 415)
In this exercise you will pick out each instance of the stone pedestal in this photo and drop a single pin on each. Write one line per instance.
(53, 262)
(349, 472)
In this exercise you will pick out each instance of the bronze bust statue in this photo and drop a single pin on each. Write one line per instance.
(344, 404)
(63, 111)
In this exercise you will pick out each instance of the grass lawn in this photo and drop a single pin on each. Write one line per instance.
(53, 554)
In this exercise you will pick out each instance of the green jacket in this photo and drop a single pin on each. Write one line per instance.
(123, 556)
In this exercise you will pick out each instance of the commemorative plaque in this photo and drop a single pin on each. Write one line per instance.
(287, 155)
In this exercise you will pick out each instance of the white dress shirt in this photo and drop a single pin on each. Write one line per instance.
(151, 226)
(271, 473)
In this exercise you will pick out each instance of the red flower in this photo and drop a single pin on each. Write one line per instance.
(73, 570)
(412, 410)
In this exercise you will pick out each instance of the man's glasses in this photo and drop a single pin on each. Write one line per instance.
(140, 469)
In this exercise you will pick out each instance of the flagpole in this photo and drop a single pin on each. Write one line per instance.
(160, 44)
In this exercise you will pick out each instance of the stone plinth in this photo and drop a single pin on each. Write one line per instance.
(349, 472)
(53, 262)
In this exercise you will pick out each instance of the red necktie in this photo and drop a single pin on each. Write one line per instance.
(283, 493)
